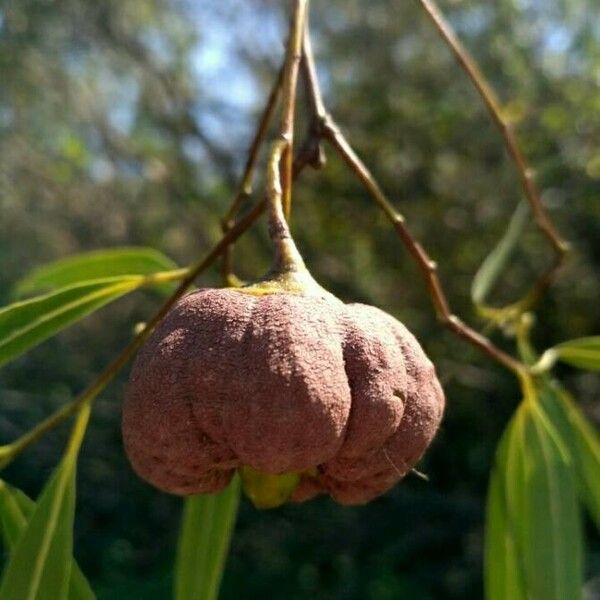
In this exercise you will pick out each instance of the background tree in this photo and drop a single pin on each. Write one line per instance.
(127, 122)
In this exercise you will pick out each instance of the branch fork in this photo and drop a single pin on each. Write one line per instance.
(322, 127)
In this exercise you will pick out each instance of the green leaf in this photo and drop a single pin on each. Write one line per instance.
(28, 323)
(555, 541)
(15, 510)
(583, 353)
(206, 531)
(582, 441)
(497, 259)
(542, 510)
(14, 513)
(40, 564)
(93, 265)
(503, 575)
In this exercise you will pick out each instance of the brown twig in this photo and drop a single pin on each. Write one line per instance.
(244, 191)
(330, 131)
(426, 264)
(313, 148)
(11, 450)
(542, 219)
(292, 64)
(311, 152)
(314, 94)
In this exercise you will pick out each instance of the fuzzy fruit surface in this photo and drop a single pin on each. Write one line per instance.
(341, 394)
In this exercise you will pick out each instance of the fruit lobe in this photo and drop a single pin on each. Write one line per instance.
(278, 383)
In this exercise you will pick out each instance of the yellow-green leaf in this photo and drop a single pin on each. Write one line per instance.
(14, 513)
(542, 509)
(206, 530)
(40, 564)
(498, 258)
(503, 574)
(91, 266)
(580, 438)
(27, 323)
(16, 509)
(583, 353)
(556, 539)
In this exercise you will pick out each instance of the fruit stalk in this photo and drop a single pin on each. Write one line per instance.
(290, 83)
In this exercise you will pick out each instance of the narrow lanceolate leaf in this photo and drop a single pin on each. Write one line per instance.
(93, 265)
(40, 564)
(15, 510)
(542, 507)
(503, 573)
(556, 539)
(14, 513)
(498, 258)
(583, 353)
(582, 441)
(25, 324)
(206, 530)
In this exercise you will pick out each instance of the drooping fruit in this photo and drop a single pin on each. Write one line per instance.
(280, 378)
(284, 383)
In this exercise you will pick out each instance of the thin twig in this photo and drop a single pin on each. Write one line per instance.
(244, 191)
(313, 147)
(314, 94)
(330, 131)
(541, 216)
(426, 264)
(8, 452)
(246, 183)
(292, 64)
(286, 79)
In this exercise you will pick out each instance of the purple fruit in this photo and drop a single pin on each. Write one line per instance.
(341, 394)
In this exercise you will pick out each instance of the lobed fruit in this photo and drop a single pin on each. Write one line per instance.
(279, 383)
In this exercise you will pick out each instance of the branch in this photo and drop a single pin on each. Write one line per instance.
(311, 152)
(329, 130)
(426, 264)
(542, 218)
(315, 97)
(244, 191)
(292, 63)
(8, 452)
(234, 230)
(312, 148)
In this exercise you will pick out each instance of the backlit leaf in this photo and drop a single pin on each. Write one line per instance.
(40, 564)
(15, 510)
(27, 323)
(503, 574)
(552, 541)
(90, 266)
(206, 530)
(583, 353)
(538, 508)
(581, 440)
(498, 258)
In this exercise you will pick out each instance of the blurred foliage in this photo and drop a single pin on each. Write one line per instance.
(126, 122)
